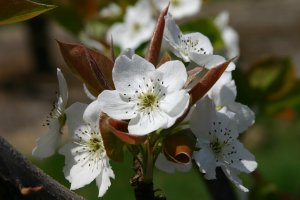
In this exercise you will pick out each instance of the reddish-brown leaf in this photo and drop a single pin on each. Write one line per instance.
(92, 67)
(120, 129)
(113, 145)
(179, 147)
(166, 57)
(208, 80)
(192, 74)
(155, 44)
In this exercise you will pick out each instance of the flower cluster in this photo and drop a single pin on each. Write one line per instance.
(185, 102)
(139, 20)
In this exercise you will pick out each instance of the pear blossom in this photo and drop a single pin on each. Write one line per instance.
(85, 155)
(47, 143)
(112, 10)
(150, 98)
(137, 28)
(218, 144)
(229, 35)
(180, 8)
(194, 47)
(165, 165)
(223, 94)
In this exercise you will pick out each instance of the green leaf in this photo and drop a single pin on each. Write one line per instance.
(207, 27)
(12, 11)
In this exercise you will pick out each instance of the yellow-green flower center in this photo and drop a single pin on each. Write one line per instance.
(148, 101)
(136, 27)
(175, 3)
(95, 144)
(216, 146)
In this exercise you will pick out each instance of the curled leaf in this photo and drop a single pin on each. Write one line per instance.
(120, 129)
(155, 44)
(208, 80)
(13, 11)
(179, 147)
(92, 67)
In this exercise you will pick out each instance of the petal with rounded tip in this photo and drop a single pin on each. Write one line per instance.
(128, 73)
(111, 103)
(175, 75)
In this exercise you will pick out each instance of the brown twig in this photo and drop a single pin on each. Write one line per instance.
(20, 179)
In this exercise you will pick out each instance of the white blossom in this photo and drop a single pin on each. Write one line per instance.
(218, 144)
(138, 27)
(194, 47)
(150, 98)
(223, 94)
(229, 35)
(47, 143)
(85, 155)
(111, 10)
(180, 8)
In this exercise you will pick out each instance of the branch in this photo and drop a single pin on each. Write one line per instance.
(20, 179)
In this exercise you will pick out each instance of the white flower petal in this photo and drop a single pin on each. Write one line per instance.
(231, 40)
(206, 162)
(137, 28)
(114, 32)
(210, 61)
(63, 87)
(165, 165)
(201, 117)
(143, 123)
(128, 73)
(92, 112)
(232, 175)
(242, 160)
(175, 105)
(207, 61)
(222, 20)
(203, 46)
(74, 115)
(82, 174)
(224, 90)
(47, 143)
(244, 115)
(172, 34)
(115, 106)
(180, 8)
(88, 93)
(128, 52)
(103, 180)
(175, 75)
(69, 158)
